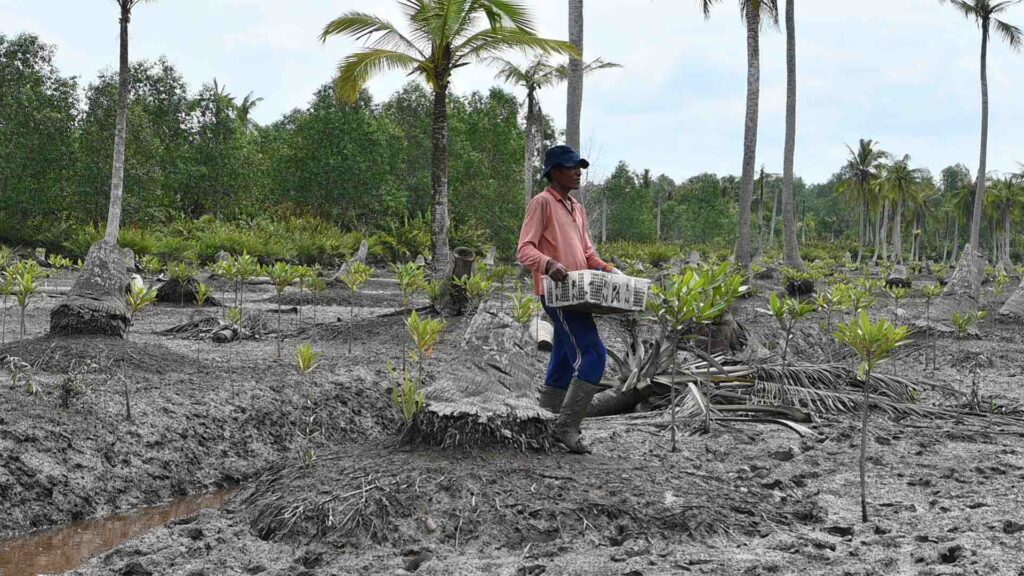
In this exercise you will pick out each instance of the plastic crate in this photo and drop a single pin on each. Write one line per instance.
(597, 292)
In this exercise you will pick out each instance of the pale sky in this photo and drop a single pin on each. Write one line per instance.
(903, 72)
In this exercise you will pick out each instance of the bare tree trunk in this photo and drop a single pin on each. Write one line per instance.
(532, 117)
(862, 229)
(878, 234)
(439, 181)
(956, 237)
(882, 234)
(1006, 237)
(897, 232)
(775, 213)
(120, 132)
(979, 195)
(790, 247)
(574, 99)
(753, 19)
(95, 304)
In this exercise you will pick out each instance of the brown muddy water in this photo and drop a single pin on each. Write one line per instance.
(67, 547)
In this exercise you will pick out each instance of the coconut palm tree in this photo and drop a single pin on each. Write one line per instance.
(444, 35)
(245, 108)
(95, 304)
(539, 73)
(755, 13)
(790, 246)
(984, 13)
(900, 182)
(574, 96)
(859, 174)
(1003, 199)
(922, 203)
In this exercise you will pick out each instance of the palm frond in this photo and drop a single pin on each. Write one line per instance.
(357, 69)
(492, 41)
(967, 9)
(363, 27)
(504, 13)
(1013, 35)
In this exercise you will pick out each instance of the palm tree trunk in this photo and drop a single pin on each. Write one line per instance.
(574, 97)
(897, 232)
(1006, 236)
(439, 182)
(531, 144)
(775, 214)
(956, 237)
(882, 234)
(120, 132)
(790, 247)
(753, 18)
(862, 229)
(970, 281)
(878, 233)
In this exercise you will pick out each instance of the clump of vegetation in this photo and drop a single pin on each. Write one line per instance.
(435, 290)
(963, 322)
(874, 342)
(1001, 281)
(307, 358)
(138, 297)
(524, 307)
(152, 264)
(788, 312)
(478, 286)
(22, 374)
(60, 262)
(799, 282)
(203, 293)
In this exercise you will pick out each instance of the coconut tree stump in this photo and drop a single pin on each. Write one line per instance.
(485, 392)
(95, 304)
(968, 275)
(1013, 308)
(464, 264)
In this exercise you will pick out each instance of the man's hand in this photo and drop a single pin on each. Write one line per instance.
(556, 271)
(616, 271)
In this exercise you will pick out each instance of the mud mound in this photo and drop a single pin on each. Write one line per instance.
(368, 495)
(59, 354)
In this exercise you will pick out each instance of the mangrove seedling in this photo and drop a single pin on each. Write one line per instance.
(1002, 279)
(303, 274)
(435, 292)
(873, 342)
(357, 275)
(234, 316)
(834, 299)
(59, 262)
(281, 275)
(693, 297)
(317, 286)
(25, 289)
(411, 280)
(930, 293)
(182, 273)
(788, 312)
(203, 293)
(406, 394)
(307, 358)
(6, 257)
(898, 294)
(962, 322)
(524, 307)
(6, 290)
(138, 297)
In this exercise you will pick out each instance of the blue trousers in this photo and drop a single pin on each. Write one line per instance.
(577, 350)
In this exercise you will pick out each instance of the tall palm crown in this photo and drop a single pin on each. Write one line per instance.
(985, 13)
(863, 167)
(444, 35)
(755, 13)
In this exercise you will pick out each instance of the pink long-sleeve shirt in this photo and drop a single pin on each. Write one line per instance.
(556, 229)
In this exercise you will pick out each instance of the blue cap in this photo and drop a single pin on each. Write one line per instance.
(563, 156)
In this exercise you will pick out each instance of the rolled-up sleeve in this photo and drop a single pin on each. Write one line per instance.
(528, 253)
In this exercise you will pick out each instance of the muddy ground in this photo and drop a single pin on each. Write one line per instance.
(945, 497)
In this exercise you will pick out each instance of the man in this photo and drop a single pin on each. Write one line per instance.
(554, 241)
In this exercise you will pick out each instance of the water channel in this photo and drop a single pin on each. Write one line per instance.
(67, 547)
